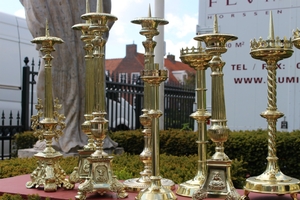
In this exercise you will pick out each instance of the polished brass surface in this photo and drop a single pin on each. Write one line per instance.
(198, 58)
(272, 180)
(296, 38)
(48, 173)
(152, 77)
(100, 176)
(81, 171)
(218, 183)
(137, 184)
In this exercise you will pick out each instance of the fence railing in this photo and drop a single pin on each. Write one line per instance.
(6, 134)
(124, 106)
(178, 102)
(28, 88)
(8, 130)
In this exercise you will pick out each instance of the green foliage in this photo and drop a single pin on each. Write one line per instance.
(172, 142)
(186, 127)
(17, 166)
(125, 166)
(23, 141)
(11, 197)
(178, 155)
(19, 197)
(238, 172)
(132, 141)
(251, 146)
(68, 163)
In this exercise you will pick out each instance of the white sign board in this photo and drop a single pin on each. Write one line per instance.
(245, 79)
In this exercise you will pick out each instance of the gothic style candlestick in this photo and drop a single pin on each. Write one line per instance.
(218, 183)
(149, 30)
(198, 59)
(272, 181)
(82, 171)
(153, 77)
(48, 174)
(100, 178)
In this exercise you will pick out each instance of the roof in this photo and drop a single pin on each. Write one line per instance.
(134, 62)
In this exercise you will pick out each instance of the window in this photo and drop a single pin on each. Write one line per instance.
(123, 77)
(134, 77)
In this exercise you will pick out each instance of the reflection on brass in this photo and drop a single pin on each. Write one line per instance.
(198, 59)
(152, 76)
(100, 176)
(272, 180)
(81, 171)
(48, 173)
(149, 30)
(218, 167)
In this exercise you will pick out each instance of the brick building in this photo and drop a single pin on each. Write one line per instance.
(128, 69)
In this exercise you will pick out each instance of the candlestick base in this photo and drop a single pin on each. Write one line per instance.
(137, 184)
(48, 173)
(288, 186)
(218, 183)
(189, 187)
(156, 191)
(101, 179)
(81, 172)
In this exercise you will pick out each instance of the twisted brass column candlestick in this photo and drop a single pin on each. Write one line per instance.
(272, 181)
(149, 30)
(198, 59)
(48, 174)
(100, 178)
(82, 170)
(218, 183)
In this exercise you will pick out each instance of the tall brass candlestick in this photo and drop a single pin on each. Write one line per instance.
(272, 181)
(153, 77)
(149, 30)
(100, 178)
(198, 59)
(218, 183)
(48, 174)
(82, 170)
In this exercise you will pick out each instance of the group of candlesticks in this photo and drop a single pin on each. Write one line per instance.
(94, 172)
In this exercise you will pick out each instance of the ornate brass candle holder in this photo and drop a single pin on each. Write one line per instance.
(198, 59)
(156, 190)
(82, 170)
(48, 174)
(296, 38)
(149, 30)
(218, 183)
(100, 177)
(272, 181)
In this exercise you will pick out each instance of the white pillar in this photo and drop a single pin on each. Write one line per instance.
(159, 53)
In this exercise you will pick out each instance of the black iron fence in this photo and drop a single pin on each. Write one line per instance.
(124, 106)
(178, 102)
(17, 124)
(6, 134)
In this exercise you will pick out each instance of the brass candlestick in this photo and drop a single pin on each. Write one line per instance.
(149, 30)
(48, 174)
(218, 183)
(198, 59)
(272, 181)
(100, 177)
(152, 76)
(82, 170)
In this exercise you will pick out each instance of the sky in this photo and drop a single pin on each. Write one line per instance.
(182, 16)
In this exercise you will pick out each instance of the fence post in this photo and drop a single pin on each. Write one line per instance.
(138, 102)
(25, 96)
